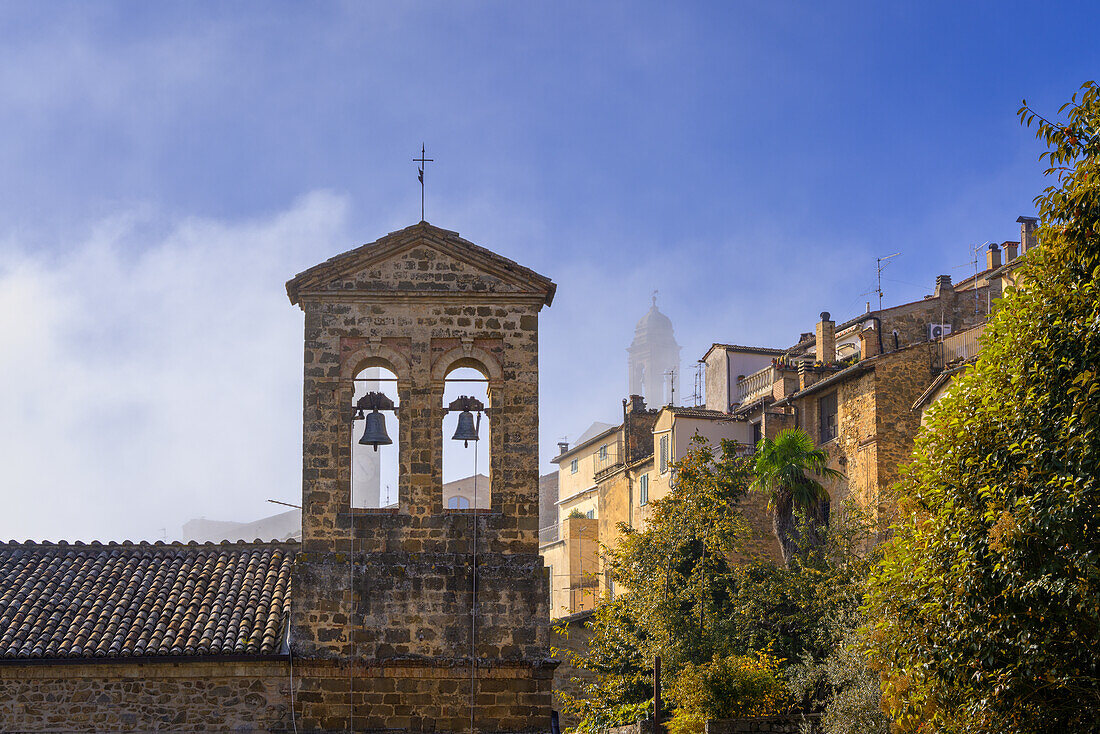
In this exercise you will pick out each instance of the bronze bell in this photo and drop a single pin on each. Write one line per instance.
(375, 433)
(466, 430)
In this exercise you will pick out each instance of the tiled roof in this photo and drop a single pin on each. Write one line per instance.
(695, 412)
(139, 599)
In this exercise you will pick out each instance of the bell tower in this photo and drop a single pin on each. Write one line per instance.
(419, 617)
(653, 366)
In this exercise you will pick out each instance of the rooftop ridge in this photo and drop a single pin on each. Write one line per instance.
(145, 544)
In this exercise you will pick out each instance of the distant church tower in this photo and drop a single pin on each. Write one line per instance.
(653, 354)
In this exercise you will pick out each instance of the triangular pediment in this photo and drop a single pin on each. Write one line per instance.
(420, 260)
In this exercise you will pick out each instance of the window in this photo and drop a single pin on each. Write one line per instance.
(643, 489)
(603, 452)
(573, 466)
(757, 434)
(374, 470)
(664, 453)
(826, 416)
(467, 464)
(591, 514)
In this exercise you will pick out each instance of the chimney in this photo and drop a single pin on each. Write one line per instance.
(563, 446)
(826, 339)
(1010, 248)
(635, 404)
(1027, 233)
(868, 343)
(993, 257)
(943, 286)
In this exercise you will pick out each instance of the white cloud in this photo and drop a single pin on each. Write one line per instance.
(148, 382)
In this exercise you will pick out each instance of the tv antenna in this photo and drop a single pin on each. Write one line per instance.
(880, 265)
(671, 375)
(697, 396)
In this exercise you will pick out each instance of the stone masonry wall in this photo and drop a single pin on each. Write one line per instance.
(250, 697)
(426, 697)
(569, 637)
(899, 381)
(875, 427)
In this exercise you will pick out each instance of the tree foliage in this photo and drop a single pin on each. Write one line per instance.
(726, 687)
(985, 611)
(713, 613)
(785, 468)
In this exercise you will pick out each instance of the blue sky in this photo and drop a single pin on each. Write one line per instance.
(169, 166)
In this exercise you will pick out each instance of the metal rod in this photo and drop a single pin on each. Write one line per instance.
(473, 600)
(394, 379)
(656, 694)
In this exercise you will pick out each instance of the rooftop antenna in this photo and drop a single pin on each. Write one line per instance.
(697, 397)
(671, 375)
(879, 267)
(420, 175)
(974, 250)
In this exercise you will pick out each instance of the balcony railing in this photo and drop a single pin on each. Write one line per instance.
(549, 534)
(606, 459)
(961, 346)
(753, 386)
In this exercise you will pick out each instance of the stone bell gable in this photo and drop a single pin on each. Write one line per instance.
(385, 630)
(420, 260)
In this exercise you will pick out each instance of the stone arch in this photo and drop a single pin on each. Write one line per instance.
(375, 355)
(468, 356)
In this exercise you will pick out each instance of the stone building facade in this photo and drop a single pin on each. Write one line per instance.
(414, 618)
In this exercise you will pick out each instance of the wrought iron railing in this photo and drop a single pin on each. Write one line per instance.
(606, 457)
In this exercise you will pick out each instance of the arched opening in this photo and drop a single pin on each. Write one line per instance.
(466, 462)
(374, 468)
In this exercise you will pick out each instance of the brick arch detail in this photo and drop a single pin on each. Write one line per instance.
(466, 356)
(376, 355)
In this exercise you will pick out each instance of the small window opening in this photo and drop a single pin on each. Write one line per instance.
(466, 462)
(573, 466)
(826, 411)
(643, 489)
(664, 453)
(374, 472)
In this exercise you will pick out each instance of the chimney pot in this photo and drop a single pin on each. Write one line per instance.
(943, 285)
(1027, 233)
(826, 340)
(993, 257)
(563, 446)
(868, 343)
(1011, 249)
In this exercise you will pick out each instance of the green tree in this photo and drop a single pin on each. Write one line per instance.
(984, 614)
(695, 597)
(785, 469)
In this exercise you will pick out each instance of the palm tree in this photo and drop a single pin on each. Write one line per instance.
(783, 469)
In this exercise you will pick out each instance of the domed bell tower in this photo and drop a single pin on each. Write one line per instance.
(654, 361)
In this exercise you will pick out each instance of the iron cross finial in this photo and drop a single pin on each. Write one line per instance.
(420, 175)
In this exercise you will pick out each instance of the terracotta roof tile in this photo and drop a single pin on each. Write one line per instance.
(139, 599)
